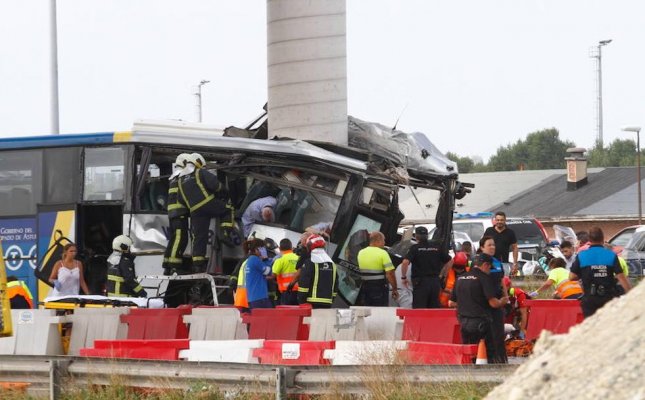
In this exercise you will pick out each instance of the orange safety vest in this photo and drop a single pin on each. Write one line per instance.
(18, 288)
(568, 288)
(240, 299)
(284, 269)
(445, 293)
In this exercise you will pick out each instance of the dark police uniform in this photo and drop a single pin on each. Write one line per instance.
(503, 241)
(122, 280)
(205, 198)
(471, 293)
(496, 275)
(427, 261)
(317, 284)
(178, 220)
(597, 267)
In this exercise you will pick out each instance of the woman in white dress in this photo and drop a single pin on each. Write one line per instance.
(67, 275)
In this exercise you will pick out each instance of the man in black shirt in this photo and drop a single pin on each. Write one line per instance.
(474, 296)
(598, 268)
(505, 240)
(427, 262)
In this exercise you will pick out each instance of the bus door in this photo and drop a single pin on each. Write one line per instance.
(56, 227)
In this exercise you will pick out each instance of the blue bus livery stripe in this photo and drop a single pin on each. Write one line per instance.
(57, 140)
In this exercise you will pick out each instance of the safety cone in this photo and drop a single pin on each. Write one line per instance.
(482, 358)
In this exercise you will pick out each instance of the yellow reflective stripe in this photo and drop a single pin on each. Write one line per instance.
(138, 288)
(175, 245)
(174, 260)
(199, 258)
(181, 191)
(173, 190)
(319, 300)
(314, 292)
(115, 278)
(201, 203)
(175, 206)
(302, 289)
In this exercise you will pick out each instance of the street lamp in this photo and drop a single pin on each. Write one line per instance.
(637, 129)
(598, 56)
(199, 99)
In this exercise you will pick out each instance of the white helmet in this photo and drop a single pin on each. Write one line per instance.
(181, 160)
(197, 160)
(122, 243)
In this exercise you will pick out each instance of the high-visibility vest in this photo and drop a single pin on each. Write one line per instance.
(240, 299)
(18, 288)
(445, 293)
(284, 269)
(568, 288)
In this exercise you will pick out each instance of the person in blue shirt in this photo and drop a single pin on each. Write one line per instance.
(260, 210)
(256, 273)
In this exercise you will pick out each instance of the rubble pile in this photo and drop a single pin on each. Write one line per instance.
(602, 358)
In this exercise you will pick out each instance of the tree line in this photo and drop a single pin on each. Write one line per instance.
(545, 150)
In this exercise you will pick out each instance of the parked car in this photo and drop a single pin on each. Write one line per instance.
(620, 239)
(634, 250)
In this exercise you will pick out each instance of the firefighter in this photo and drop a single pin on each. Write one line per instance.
(449, 276)
(206, 197)
(178, 219)
(318, 281)
(121, 280)
(284, 269)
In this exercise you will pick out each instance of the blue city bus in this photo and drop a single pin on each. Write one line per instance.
(89, 188)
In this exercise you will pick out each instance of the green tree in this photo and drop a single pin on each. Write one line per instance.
(540, 150)
(620, 153)
(465, 164)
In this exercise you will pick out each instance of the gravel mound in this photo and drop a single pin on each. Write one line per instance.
(602, 358)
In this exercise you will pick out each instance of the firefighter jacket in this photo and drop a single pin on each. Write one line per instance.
(176, 205)
(318, 282)
(200, 188)
(121, 280)
(19, 295)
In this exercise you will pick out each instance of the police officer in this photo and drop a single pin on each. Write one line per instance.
(318, 280)
(206, 198)
(427, 263)
(475, 296)
(598, 268)
(121, 280)
(376, 269)
(178, 219)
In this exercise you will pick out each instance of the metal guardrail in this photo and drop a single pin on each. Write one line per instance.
(48, 375)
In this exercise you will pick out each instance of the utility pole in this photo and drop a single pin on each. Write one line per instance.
(198, 94)
(598, 56)
(53, 61)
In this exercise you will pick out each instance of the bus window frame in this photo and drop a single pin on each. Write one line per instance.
(125, 149)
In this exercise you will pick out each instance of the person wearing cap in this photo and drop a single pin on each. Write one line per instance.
(206, 197)
(516, 309)
(428, 260)
(376, 269)
(178, 214)
(475, 297)
(318, 279)
(260, 210)
(460, 265)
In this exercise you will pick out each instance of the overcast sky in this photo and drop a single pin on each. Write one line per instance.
(474, 74)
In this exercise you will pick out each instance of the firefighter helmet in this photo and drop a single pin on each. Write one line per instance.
(197, 159)
(182, 160)
(315, 242)
(122, 243)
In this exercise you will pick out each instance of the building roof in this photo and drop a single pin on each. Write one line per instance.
(610, 192)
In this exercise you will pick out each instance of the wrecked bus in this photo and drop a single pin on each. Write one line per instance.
(89, 188)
